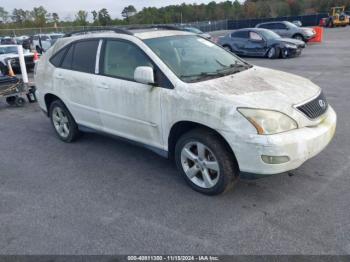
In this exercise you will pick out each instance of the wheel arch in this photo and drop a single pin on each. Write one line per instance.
(298, 34)
(182, 127)
(49, 98)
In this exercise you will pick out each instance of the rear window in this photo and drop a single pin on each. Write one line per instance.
(57, 58)
(67, 61)
(84, 56)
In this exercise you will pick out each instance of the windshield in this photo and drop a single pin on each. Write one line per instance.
(270, 35)
(8, 50)
(290, 24)
(193, 30)
(193, 58)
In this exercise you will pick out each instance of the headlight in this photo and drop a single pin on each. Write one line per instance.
(268, 122)
(290, 46)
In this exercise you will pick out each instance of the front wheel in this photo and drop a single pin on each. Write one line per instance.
(205, 162)
(299, 37)
(273, 53)
(284, 53)
(63, 122)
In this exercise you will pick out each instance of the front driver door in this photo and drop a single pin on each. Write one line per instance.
(127, 108)
(256, 44)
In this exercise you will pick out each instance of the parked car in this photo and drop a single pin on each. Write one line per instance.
(7, 40)
(197, 31)
(185, 98)
(43, 41)
(55, 36)
(260, 42)
(24, 40)
(289, 30)
(10, 52)
(298, 23)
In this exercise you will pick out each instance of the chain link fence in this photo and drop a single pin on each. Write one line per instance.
(205, 26)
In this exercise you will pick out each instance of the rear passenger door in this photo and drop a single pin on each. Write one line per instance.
(74, 80)
(128, 109)
(239, 41)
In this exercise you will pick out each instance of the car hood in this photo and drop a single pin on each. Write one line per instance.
(260, 87)
(293, 41)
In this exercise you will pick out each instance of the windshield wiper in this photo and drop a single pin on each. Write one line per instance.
(203, 75)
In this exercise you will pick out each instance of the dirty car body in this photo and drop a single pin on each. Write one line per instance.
(257, 42)
(188, 98)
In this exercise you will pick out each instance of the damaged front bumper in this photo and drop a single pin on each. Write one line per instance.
(291, 148)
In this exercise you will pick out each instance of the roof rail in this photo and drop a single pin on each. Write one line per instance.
(114, 29)
(166, 27)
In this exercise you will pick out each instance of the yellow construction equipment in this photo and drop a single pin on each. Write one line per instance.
(337, 17)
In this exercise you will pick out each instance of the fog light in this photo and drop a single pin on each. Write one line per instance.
(275, 159)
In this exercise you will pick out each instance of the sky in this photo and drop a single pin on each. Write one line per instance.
(66, 9)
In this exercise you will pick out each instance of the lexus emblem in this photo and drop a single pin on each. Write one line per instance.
(322, 103)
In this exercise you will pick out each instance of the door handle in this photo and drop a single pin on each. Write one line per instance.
(103, 86)
(59, 76)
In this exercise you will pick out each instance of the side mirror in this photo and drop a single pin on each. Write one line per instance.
(39, 50)
(144, 75)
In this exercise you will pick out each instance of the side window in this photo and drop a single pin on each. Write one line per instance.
(280, 26)
(240, 34)
(35, 37)
(255, 36)
(67, 61)
(121, 58)
(266, 26)
(57, 58)
(84, 56)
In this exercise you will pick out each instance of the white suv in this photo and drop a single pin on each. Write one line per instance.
(187, 98)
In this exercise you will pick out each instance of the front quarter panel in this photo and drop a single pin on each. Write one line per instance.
(211, 110)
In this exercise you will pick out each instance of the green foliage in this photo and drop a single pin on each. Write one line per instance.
(103, 17)
(81, 18)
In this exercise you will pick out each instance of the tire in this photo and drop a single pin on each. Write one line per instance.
(299, 37)
(227, 48)
(194, 166)
(284, 53)
(19, 101)
(63, 122)
(273, 53)
(10, 100)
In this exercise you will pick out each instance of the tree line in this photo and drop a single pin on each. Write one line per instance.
(184, 13)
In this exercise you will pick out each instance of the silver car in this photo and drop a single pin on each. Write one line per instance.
(289, 30)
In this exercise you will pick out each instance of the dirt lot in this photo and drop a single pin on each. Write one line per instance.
(103, 196)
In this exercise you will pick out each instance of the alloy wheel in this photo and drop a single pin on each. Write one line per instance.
(200, 165)
(61, 122)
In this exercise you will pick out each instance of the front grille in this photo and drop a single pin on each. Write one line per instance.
(314, 108)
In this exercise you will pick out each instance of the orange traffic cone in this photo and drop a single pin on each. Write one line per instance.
(36, 57)
(10, 73)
